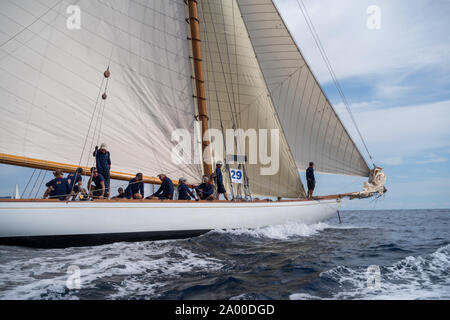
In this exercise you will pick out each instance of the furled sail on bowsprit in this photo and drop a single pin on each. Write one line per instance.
(51, 83)
(237, 95)
(313, 129)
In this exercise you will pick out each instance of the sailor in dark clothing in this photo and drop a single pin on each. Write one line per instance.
(184, 193)
(135, 189)
(310, 179)
(75, 181)
(205, 191)
(165, 192)
(58, 188)
(121, 194)
(98, 190)
(103, 163)
(219, 181)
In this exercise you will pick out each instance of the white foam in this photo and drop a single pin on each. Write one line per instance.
(143, 266)
(410, 278)
(280, 232)
(244, 296)
(303, 296)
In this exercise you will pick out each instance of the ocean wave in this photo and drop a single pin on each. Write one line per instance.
(278, 232)
(410, 278)
(123, 269)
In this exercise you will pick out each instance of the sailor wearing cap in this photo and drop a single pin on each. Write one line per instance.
(184, 193)
(103, 164)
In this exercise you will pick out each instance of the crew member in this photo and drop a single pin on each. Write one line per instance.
(184, 193)
(103, 163)
(205, 191)
(75, 181)
(219, 181)
(98, 190)
(121, 194)
(311, 180)
(57, 188)
(135, 189)
(165, 192)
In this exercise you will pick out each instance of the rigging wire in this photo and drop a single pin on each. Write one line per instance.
(332, 72)
(101, 123)
(28, 26)
(235, 114)
(100, 114)
(92, 119)
(40, 185)
(231, 103)
(209, 59)
(26, 187)
(34, 185)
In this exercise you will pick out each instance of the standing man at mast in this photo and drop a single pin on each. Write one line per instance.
(311, 180)
(103, 165)
(219, 181)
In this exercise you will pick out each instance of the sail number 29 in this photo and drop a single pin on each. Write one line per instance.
(236, 175)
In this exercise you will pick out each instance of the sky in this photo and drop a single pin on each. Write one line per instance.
(397, 80)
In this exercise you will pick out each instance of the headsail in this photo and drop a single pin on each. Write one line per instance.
(51, 76)
(237, 95)
(312, 127)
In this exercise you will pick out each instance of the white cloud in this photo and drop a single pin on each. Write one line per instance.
(394, 161)
(412, 40)
(413, 194)
(434, 159)
(409, 38)
(386, 91)
(394, 134)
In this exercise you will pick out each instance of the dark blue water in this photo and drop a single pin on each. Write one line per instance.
(407, 253)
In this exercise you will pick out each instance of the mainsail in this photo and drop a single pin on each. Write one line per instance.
(51, 83)
(312, 127)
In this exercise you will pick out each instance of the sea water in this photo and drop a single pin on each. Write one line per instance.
(401, 254)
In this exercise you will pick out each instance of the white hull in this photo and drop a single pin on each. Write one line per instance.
(62, 224)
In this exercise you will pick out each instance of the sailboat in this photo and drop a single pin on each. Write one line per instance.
(171, 65)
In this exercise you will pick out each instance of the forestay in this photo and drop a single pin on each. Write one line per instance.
(312, 127)
(52, 73)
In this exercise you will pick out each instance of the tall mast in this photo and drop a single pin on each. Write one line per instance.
(199, 79)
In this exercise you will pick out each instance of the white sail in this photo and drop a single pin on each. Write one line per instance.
(313, 129)
(51, 73)
(235, 88)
